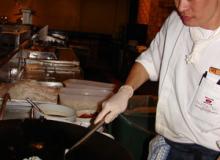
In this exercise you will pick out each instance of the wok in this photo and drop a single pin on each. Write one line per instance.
(48, 140)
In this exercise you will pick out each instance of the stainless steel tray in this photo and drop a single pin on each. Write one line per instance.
(57, 69)
(21, 102)
(38, 55)
(51, 62)
(50, 76)
(42, 55)
(51, 84)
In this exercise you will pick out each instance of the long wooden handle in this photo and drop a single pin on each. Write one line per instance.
(85, 137)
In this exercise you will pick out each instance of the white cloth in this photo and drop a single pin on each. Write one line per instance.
(179, 82)
(201, 39)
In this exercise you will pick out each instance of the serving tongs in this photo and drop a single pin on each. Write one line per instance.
(35, 106)
(3, 105)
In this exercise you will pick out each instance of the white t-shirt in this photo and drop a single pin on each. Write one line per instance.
(188, 109)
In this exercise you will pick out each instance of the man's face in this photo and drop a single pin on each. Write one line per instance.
(199, 13)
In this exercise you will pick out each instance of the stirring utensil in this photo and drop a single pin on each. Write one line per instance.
(84, 138)
(33, 104)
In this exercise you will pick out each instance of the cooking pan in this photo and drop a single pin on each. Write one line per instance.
(49, 139)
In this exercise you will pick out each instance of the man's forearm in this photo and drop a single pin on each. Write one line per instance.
(137, 76)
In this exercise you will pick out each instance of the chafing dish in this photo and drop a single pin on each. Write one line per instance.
(52, 65)
(39, 55)
(50, 70)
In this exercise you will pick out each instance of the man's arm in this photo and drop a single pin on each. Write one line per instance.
(137, 76)
(118, 102)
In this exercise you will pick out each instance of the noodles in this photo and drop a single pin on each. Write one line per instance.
(32, 158)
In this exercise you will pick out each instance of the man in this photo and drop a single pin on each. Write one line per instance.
(184, 57)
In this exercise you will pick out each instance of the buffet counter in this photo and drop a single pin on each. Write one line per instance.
(46, 71)
(42, 64)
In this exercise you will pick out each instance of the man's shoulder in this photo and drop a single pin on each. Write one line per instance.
(174, 18)
(174, 23)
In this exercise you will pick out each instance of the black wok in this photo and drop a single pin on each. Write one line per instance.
(48, 140)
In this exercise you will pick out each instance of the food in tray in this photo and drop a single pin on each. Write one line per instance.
(87, 115)
(32, 89)
(33, 158)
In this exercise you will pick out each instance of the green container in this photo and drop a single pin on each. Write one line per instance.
(135, 130)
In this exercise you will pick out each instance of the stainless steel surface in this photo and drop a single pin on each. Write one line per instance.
(50, 70)
(17, 111)
(41, 64)
(3, 106)
(38, 55)
(57, 63)
(7, 64)
(21, 66)
(50, 76)
(23, 102)
(52, 84)
(50, 67)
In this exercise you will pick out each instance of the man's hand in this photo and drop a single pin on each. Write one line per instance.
(115, 105)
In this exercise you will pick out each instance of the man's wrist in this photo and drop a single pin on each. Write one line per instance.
(127, 89)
